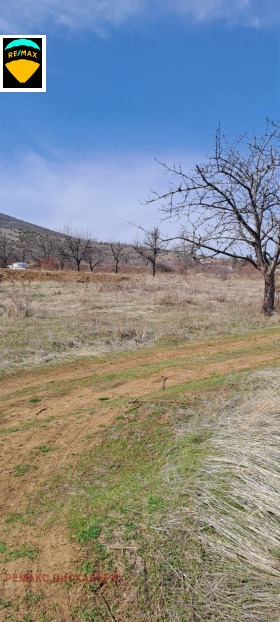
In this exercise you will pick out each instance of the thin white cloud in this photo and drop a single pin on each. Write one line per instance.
(100, 14)
(94, 14)
(100, 194)
(254, 13)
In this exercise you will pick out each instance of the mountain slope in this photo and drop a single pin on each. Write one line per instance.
(9, 222)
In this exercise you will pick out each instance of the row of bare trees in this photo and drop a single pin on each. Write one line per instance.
(72, 247)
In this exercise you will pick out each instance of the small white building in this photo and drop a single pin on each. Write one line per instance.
(22, 265)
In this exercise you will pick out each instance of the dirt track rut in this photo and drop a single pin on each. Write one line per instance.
(69, 414)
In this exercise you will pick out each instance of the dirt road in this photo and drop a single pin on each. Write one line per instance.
(50, 416)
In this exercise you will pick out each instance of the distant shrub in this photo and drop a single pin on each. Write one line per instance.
(164, 267)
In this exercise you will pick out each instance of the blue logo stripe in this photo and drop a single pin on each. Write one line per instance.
(26, 42)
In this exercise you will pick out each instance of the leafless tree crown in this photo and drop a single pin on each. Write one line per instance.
(230, 205)
(151, 246)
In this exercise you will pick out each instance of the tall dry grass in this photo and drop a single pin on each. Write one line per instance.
(233, 508)
(85, 318)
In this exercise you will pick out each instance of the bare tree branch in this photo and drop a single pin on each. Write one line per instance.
(151, 247)
(230, 205)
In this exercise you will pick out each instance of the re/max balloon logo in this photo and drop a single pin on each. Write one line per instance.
(23, 63)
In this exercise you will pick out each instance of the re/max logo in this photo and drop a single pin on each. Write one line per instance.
(23, 63)
(16, 54)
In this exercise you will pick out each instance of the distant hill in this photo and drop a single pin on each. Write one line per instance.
(9, 222)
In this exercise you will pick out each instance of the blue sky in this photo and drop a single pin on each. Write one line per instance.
(128, 82)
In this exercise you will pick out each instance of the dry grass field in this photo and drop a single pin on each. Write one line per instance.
(44, 321)
(140, 429)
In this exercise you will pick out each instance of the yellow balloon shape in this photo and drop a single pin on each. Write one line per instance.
(22, 69)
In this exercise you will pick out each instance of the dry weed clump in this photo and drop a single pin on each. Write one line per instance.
(235, 508)
(130, 334)
(19, 300)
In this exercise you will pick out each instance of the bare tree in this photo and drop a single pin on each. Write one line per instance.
(151, 247)
(76, 245)
(7, 251)
(60, 251)
(38, 246)
(46, 246)
(185, 254)
(23, 246)
(118, 251)
(230, 205)
(93, 255)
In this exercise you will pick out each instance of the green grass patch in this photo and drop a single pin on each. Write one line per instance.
(27, 426)
(22, 469)
(5, 603)
(3, 547)
(91, 532)
(15, 517)
(155, 503)
(181, 390)
(25, 551)
(44, 449)
(89, 614)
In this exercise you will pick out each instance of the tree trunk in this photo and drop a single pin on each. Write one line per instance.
(269, 294)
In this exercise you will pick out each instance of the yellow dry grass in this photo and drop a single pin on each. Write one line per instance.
(44, 321)
(235, 501)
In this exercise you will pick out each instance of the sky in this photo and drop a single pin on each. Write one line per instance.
(129, 82)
